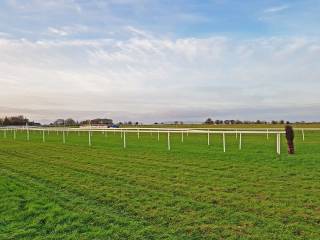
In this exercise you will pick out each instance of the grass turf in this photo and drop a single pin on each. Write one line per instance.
(55, 191)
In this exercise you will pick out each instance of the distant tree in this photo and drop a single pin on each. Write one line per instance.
(69, 122)
(6, 121)
(209, 121)
(281, 122)
(129, 123)
(58, 122)
(155, 123)
(274, 122)
(137, 123)
(226, 122)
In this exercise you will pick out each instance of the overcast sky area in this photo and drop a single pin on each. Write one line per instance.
(160, 60)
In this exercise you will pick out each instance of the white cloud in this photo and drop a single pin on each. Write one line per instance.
(67, 30)
(56, 31)
(40, 5)
(276, 9)
(158, 79)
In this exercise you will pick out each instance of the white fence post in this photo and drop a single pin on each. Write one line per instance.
(158, 135)
(208, 138)
(169, 147)
(303, 134)
(138, 133)
(240, 141)
(267, 134)
(236, 133)
(43, 136)
(124, 140)
(278, 144)
(28, 134)
(224, 142)
(89, 138)
(63, 137)
(182, 136)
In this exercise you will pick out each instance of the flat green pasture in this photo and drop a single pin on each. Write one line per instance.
(53, 190)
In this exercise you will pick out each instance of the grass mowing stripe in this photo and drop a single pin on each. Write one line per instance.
(96, 213)
(233, 195)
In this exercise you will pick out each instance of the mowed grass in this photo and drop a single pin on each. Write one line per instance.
(195, 191)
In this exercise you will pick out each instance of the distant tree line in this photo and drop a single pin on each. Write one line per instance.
(72, 122)
(210, 121)
(17, 121)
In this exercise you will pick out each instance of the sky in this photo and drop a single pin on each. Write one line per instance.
(160, 60)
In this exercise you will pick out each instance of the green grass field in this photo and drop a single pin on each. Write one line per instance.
(55, 191)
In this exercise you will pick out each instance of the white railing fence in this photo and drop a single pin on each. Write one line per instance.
(138, 131)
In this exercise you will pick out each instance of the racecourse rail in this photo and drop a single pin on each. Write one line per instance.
(238, 132)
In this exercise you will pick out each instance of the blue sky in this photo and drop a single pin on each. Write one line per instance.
(160, 60)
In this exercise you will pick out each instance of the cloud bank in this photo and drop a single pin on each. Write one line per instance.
(148, 78)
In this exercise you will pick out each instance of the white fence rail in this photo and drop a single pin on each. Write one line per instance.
(123, 131)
